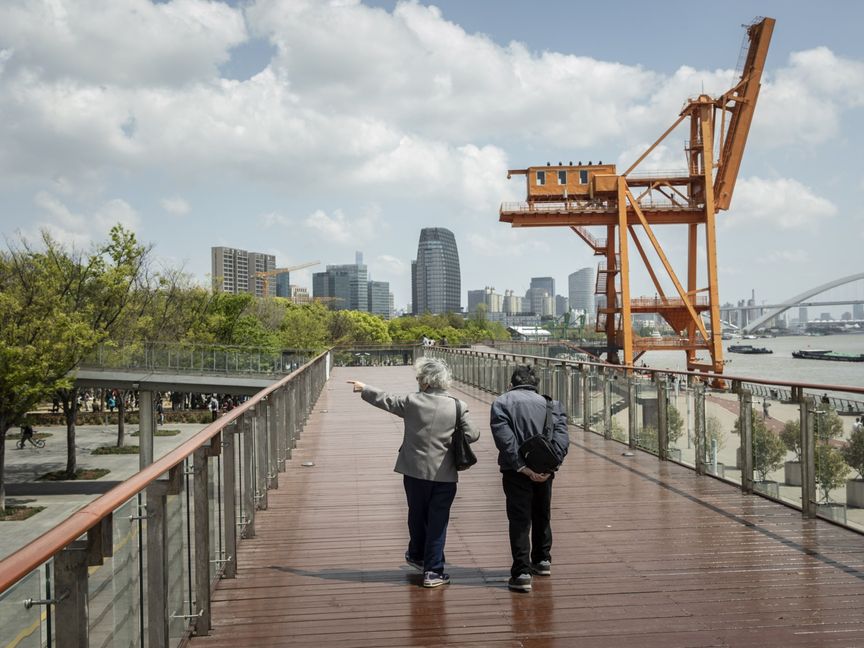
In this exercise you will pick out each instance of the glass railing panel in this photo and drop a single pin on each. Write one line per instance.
(114, 596)
(19, 626)
(722, 444)
(595, 401)
(179, 590)
(646, 412)
(839, 453)
(618, 406)
(680, 421)
(776, 443)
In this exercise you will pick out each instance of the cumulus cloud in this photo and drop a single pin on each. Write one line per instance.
(784, 257)
(129, 42)
(81, 228)
(387, 265)
(177, 206)
(784, 203)
(506, 243)
(340, 228)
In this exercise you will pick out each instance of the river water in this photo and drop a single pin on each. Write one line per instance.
(780, 365)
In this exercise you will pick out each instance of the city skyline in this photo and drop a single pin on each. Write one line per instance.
(309, 129)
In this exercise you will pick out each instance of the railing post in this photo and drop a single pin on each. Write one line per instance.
(631, 412)
(607, 405)
(157, 566)
(70, 584)
(586, 399)
(262, 462)
(250, 483)
(202, 541)
(808, 458)
(146, 427)
(701, 442)
(745, 425)
(272, 441)
(662, 418)
(229, 501)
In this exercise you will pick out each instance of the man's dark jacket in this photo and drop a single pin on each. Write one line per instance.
(517, 415)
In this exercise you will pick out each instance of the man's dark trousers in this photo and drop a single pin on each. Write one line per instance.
(529, 510)
(428, 516)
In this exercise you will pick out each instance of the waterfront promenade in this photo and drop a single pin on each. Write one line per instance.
(646, 553)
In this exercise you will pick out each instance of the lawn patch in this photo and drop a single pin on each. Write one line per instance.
(18, 513)
(81, 473)
(114, 450)
(159, 433)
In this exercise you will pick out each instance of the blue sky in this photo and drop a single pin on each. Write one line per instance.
(311, 129)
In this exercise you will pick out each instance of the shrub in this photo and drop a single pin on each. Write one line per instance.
(853, 452)
(116, 450)
(831, 470)
(791, 438)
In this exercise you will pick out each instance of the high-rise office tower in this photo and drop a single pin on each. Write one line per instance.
(234, 271)
(344, 285)
(283, 284)
(436, 278)
(379, 298)
(562, 305)
(581, 289)
(544, 283)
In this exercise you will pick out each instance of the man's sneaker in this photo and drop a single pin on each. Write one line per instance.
(522, 583)
(542, 568)
(435, 579)
(416, 564)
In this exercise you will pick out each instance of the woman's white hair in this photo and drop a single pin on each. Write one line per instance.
(433, 373)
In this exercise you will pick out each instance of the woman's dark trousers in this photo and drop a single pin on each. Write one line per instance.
(428, 515)
(529, 506)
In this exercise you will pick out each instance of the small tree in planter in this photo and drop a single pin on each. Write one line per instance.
(853, 454)
(831, 470)
(791, 438)
(768, 450)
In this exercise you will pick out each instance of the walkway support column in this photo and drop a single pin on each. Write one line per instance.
(699, 427)
(745, 426)
(808, 458)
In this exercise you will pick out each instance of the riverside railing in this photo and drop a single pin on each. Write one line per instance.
(195, 358)
(137, 566)
(782, 440)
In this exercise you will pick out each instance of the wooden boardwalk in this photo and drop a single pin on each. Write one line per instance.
(645, 553)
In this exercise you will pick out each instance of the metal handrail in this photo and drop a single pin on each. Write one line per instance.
(28, 558)
(703, 376)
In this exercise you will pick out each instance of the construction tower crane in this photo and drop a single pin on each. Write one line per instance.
(631, 204)
(267, 274)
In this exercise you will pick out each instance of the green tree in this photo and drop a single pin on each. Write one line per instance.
(853, 452)
(831, 470)
(791, 437)
(56, 305)
(305, 326)
(674, 424)
(358, 327)
(768, 450)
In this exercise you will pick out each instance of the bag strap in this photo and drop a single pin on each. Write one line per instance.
(547, 425)
(458, 412)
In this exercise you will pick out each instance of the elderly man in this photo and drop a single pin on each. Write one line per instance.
(517, 415)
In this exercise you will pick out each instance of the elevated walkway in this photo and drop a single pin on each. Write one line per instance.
(645, 554)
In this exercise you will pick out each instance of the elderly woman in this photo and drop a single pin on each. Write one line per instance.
(426, 461)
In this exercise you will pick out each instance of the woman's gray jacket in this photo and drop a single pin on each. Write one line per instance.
(430, 418)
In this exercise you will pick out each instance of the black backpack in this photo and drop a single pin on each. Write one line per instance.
(540, 452)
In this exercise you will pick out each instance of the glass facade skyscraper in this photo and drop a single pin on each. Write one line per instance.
(436, 277)
(581, 287)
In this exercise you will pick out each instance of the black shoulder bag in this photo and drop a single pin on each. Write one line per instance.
(539, 452)
(463, 455)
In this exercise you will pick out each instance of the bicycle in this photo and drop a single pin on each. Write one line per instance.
(28, 434)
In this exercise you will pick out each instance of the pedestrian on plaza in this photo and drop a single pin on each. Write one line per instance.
(517, 415)
(213, 405)
(765, 406)
(426, 461)
(160, 410)
(858, 425)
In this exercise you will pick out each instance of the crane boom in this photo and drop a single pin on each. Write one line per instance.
(743, 99)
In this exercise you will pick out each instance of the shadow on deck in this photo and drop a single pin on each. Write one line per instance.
(645, 553)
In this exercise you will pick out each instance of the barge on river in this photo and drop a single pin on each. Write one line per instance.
(747, 348)
(818, 354)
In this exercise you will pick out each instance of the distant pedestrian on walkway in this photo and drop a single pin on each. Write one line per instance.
(213, 405)
(517, 415)
(426, 461)
(765, 406)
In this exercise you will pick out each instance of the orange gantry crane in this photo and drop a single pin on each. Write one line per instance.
(266, 275)
(628, 204)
